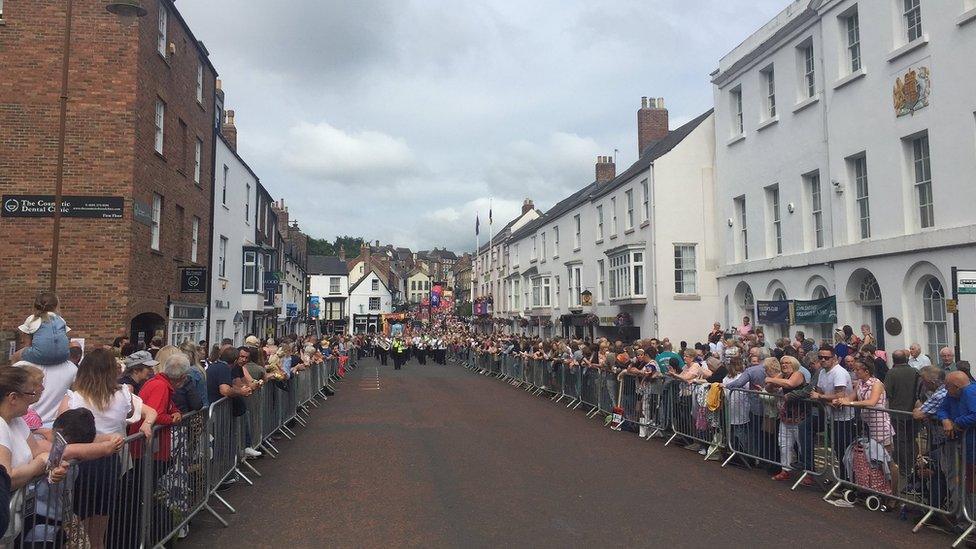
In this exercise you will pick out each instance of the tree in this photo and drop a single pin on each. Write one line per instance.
(321, 246)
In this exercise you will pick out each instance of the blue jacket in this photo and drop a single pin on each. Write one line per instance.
(962, 412)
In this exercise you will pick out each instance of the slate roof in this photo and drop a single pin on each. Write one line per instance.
(326, 265)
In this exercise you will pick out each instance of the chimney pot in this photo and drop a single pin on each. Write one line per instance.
(229, 130)
(643, 102)
(219, 84)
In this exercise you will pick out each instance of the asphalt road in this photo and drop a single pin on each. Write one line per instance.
(434, 456)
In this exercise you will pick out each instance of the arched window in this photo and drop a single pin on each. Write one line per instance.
(779, 295)
(820, 293)
(934, 316)
(748, 301)
(870, 293)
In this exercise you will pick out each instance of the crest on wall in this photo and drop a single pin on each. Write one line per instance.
(912, 90)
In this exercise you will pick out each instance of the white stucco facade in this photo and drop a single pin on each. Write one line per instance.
(368, 299)
(893, 187)
(233, 229)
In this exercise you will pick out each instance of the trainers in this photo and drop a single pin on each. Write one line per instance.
(694, 447)
(252, 453)
(184, 531)
(703, 451)
(807, 481)
(782, 475)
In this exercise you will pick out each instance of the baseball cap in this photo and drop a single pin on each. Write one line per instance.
(252, 341)
(140, 358)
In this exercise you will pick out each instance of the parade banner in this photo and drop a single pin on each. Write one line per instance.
(817, 311)
(435, 296)
(313, 306)
(773, 312)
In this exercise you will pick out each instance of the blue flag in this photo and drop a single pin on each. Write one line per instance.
(477, 225)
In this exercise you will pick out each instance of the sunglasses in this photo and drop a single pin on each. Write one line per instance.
(822, 357)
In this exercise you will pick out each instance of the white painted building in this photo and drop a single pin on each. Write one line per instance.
(845, 147)
(418, 284)
(328, 283)
(640, 243)
(489, 263)
(369, 299)
(233, 230)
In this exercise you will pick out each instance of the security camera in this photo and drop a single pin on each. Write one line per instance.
(835, 183)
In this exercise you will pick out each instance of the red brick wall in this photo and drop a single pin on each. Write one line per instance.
(106, 273)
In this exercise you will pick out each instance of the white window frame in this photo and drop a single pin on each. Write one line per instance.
(250, 265)
(197, 156)
(738, 123)
(223, 190)
(627, 274)
(542, 237)
(769, 89)
(922, 174)
(222, 257)
(194, 238)
(375, 284)
(646, 214)
(160, 122)
(199, 82)
(578, 235)
(630, 208)
(542, 291)
(601, 276)
(157, 215)
(535, 253)
(555, 241)
(516, 294)
(740, 210)
(685, 269)
(161, 30)
(862, 199)
(599, 222)
(575, 276)
(377, 301)
(816, 209)
(912, 17)
(934, 318)
(613, 216)
(809, 70)
(247, 204)
(853, 31)
(776, 219)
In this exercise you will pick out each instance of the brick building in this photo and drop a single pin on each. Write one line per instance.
(140, 119)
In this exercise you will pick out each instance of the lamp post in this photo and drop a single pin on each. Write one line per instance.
(126, 10)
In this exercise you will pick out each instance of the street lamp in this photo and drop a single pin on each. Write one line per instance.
(126, 9)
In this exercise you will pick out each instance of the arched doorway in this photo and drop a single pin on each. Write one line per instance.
(782, 330)
(146, 326)
(745, 304)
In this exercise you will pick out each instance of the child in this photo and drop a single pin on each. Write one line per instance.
(36, 377)
(52, 501)
(47, 334)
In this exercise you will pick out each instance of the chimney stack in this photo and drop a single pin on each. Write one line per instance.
(527, 206)
(652, 123)
(605, 169)
(229, 131)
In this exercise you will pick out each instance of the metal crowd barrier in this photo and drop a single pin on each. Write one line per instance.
(881, 456)
(887, 457)
(147, 493)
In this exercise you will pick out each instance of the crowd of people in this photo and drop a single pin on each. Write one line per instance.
(74, 421)
(844, 409)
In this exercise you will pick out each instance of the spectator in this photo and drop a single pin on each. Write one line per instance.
(45, 334)
(138, 367)
(957, 412)
(746, 327)
(792, 412)
(833, 383)
(97, 389)
(870, 396)
(916, 359)
(869, 353)
(154, 346)
(75, 353)
(947, 359)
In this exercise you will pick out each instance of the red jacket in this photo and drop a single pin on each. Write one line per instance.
(157, 393)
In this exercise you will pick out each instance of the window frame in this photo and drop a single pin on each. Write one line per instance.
(194, 238)
(862, 195)
(852, 25)
(599, 222)
(252, 266)
(156, 229)
(378, 301)
(738, 121)
(222, 257)
(629, 193)
(626, 274)
(682, 271)
(162, 28)
(646, 214)
(374, 285)
(197, 160)
(742, 246)
(577, 237)
(223, 191)
(816, 208)
(922, 174)
(769, 87)
(613, 216)
(199, 82)
(776, 219)
(912, 19)
(601, 273)
(160, 126)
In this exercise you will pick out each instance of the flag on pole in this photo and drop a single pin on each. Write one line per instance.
(477, 225)
(489, 215)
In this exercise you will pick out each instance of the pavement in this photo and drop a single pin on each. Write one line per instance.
(435, 456)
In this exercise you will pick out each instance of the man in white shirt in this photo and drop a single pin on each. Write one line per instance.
(916, 359)
(835, 382)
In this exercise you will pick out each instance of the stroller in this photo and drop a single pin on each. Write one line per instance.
(868, 464)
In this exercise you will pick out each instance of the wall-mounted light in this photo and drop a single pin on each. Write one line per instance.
(790, 207)
(731, 222)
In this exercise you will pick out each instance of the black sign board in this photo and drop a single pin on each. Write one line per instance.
(193, 280)
(42, 205)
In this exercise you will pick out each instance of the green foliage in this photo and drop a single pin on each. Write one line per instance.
(321, 246)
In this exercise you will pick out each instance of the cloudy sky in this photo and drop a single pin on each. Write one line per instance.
(397, 120)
